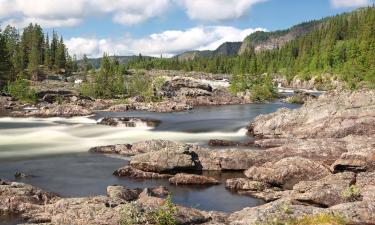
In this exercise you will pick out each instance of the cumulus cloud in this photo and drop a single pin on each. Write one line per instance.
(58, 13)
(217, 10)
(168, 43)
(349, 3)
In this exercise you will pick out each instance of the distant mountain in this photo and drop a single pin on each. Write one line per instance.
(226, 49)
(262, 41)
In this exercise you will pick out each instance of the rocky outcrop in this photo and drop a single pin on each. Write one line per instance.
(217, 142)
(129, 122)
(332, 115)
(287, 172)
(131, 172)
(325, 192)
(65, 110)
(121, 149)
(164, 106)
(192, 179)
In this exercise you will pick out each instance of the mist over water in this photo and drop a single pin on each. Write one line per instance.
(55, 151)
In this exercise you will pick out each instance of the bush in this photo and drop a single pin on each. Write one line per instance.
(263, 92)
(352, 194)
(21, 90)
(165, 214)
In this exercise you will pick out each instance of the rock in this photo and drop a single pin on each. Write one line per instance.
(66, 110)
(360, 155)
(122, 149)
(17, 198)
(244, 184)
(216, 142)
(121, 192)
(164, 160)
(129, 122)
(159, 191)
(340, 114)
(287, 172)
(362, 212)
(280, 209)
(128, 171)
(300, 97)
(268, 195)
(365, 179)
(155, 145)
(192, 179)
(325, 192)
(170, 88)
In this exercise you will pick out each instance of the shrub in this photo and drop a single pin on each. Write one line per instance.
(133, 214)
(21, 90)
(263, 92)
(165, 214)
(352, 193)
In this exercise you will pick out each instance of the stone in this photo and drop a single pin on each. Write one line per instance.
(325, 192)
(244, 184)
(287, 172)
(121, 192)
(65, 110)
(164, 160)
(129, 122)
(131, 172)
(332, 115)
(192, 179)
(121, 149)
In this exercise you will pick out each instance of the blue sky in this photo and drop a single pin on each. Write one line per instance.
(168, 27)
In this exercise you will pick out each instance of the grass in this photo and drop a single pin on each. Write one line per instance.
(352, 194)
(320, 219)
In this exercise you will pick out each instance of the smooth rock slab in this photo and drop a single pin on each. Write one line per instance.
(192, 179)
(131, 172)
(287, 172)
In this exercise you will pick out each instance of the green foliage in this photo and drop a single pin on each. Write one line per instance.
(320, 219)
(165, 214)
(21, 90)
(352, 193)
(133, 214)
(343, 45)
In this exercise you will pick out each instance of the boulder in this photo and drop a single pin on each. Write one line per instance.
(121, 149)
(361, 212)
(129, 122)
(164, 160)
(360, 155)
(287, 172)
(217, 142)
(65, 110)
(131, 172)
(170, 88)
(123, 193)
(192, 179)
(325, 192)
(244, 184)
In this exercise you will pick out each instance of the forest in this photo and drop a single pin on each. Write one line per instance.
(342, 46)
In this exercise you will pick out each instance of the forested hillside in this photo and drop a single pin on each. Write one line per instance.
(342, 46)
(30, 53)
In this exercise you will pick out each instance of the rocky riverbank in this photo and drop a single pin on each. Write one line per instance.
(178, 93)
(316, 161)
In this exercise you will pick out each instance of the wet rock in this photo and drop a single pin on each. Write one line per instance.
(192, 179)
(131, 172)
(129, 122)
(325, 192)
(287, 172)
(164, 160)
(244, 184)
(340, 114)
(155, 145)
(20, 174)
(122, 149)
(159, 191)
(217, 142)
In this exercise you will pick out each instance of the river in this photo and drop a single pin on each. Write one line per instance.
(55, 151)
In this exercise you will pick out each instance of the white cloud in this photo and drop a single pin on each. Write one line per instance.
(349, 3)
(217, 10)
(167, 43)
(58, 13)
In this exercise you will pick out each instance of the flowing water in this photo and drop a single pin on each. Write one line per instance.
(54, 151)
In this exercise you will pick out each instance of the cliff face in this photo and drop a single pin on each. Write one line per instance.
(226, 49)
(262, 41)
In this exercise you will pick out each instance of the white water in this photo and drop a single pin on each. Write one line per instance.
(79, 134)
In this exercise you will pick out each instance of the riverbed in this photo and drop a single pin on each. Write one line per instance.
(55, 151)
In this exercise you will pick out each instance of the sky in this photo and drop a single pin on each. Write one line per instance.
(163, 27)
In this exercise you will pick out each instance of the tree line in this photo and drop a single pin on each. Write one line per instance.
(342, 46)
(32, 52)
